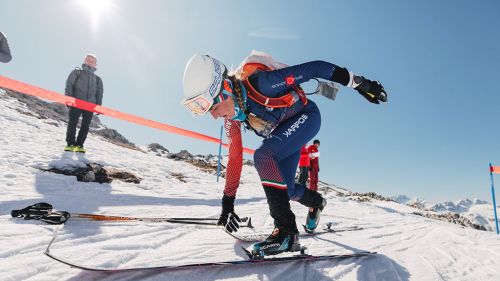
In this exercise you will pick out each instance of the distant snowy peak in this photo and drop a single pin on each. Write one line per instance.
(460, 206)
(403, 199)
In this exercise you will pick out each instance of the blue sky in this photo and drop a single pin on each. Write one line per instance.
(437, 60)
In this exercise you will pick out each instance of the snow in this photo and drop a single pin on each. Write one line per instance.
(410, 247)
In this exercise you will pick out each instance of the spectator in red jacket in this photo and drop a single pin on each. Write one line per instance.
(303, 165)
(313, 165)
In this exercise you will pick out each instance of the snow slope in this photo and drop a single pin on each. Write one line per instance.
(410, 247)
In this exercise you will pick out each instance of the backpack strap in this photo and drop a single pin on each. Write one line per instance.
(284, 101)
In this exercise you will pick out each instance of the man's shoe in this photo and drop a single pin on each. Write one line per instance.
(79, 149)
(69, 148)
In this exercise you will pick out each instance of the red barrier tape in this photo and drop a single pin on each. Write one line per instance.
(66, 100)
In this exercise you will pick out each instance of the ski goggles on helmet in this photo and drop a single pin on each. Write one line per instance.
(202, 103)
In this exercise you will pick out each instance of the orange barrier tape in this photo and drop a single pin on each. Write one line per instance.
(66, 100)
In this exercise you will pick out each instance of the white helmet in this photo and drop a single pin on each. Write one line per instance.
(202, 83)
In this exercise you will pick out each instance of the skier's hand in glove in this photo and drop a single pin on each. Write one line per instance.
(373, 91)
(228, 218)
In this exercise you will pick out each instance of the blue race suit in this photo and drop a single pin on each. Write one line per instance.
(276, 160)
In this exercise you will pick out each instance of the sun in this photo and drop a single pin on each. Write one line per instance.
(97, 8)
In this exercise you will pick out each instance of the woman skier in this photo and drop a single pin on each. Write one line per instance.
(266, 97)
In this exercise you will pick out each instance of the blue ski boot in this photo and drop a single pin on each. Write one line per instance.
(278, 242)
(313, 217)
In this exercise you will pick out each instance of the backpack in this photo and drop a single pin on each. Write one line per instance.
(260, 61)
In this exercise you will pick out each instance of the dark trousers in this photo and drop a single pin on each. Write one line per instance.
(74, 115)
(304, 174)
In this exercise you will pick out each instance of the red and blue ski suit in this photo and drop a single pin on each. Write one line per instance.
(277, 158)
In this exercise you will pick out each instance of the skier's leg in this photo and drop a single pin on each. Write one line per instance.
(285, 236)
(307, 197)
(84, 128)
(74, 115)
(299, 192)
(279, 208)
(276, 161)
(275, 186)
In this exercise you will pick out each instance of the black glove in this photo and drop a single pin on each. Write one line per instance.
(228, 218)
(373, 91)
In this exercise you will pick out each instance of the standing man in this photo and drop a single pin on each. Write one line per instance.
(303, 165)
(313, 165)
(5, 56)
(82, 83)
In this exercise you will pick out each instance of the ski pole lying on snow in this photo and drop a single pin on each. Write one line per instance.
(199, 221)
(44, 212)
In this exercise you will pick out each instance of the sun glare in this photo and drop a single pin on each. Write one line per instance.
(97, 8)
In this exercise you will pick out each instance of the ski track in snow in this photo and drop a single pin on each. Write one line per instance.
(410, 247)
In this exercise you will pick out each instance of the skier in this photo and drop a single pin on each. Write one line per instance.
(271, 103)
(82, 83)
(314, 165)
(5, 55)
(303, 165)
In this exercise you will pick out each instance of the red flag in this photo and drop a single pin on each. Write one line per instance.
(495, 169)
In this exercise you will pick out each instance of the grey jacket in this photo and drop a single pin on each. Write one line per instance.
(85, 85)
(4, 49)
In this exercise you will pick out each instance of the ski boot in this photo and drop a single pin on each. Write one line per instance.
(313, 217)
(79, 149)
(69, 148)
(278, 242)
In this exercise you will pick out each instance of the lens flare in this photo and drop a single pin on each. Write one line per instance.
(96, 9)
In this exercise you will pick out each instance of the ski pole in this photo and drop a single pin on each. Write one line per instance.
(199, 221)
(44, 211)
(125, 218)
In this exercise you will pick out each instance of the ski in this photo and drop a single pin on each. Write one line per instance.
(258, 237)
(262, 260)
(44, 212)
(296, 258)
